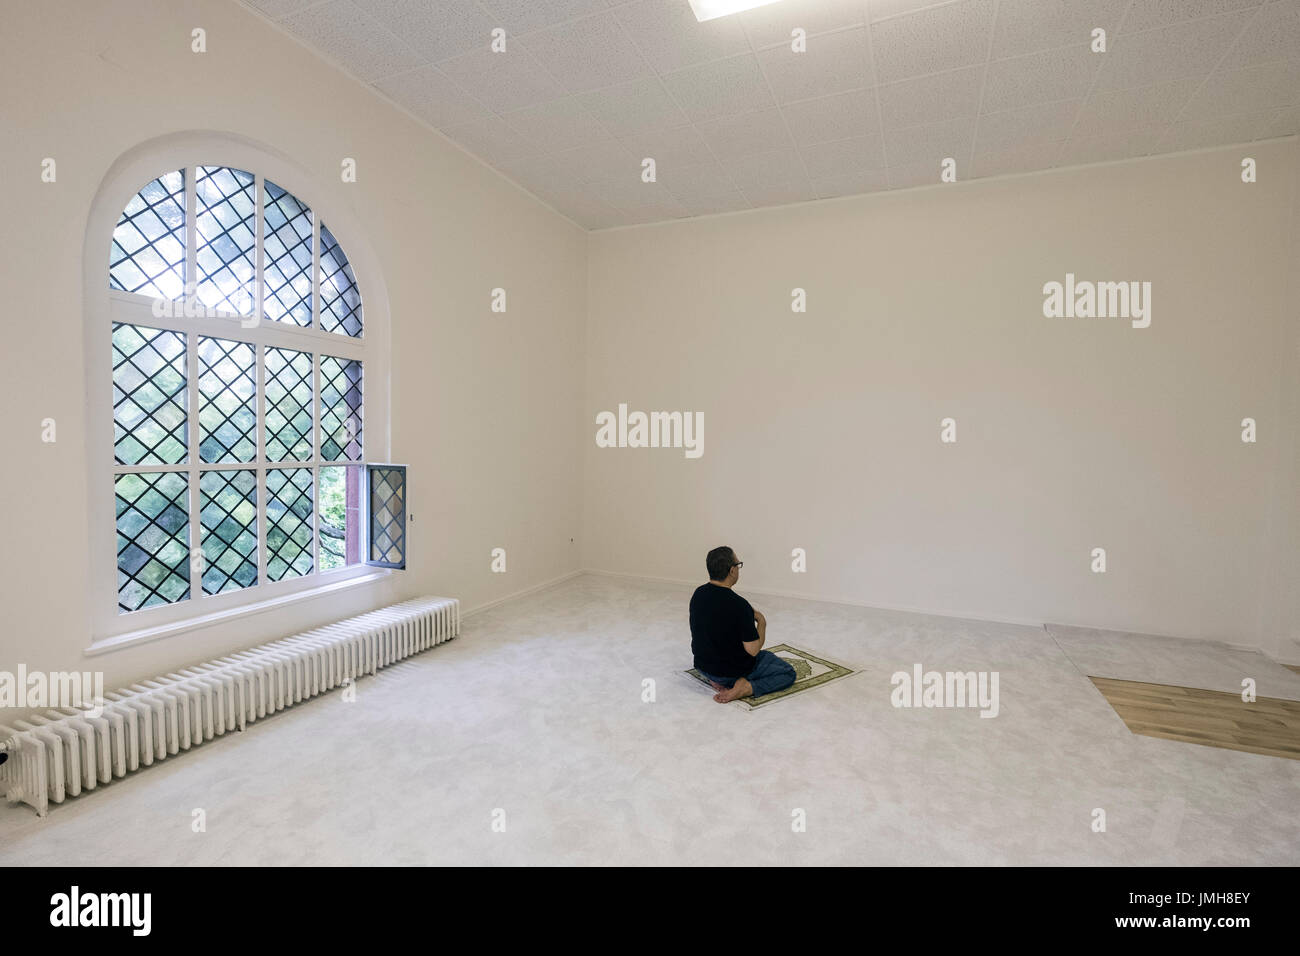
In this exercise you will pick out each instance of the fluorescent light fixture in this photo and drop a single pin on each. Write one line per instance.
(712, 9)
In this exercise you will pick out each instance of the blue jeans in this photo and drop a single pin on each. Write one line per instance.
(769, 675)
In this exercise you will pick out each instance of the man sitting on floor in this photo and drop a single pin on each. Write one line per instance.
(727, 636)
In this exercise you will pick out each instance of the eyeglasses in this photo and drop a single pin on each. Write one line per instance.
(739, 564)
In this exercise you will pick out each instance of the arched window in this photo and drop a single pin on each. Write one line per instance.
(240, 373)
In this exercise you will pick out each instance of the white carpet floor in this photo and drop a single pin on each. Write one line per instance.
(537, 711)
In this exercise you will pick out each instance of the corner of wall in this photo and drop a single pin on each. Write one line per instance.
(1280, 634)
(1280, 598)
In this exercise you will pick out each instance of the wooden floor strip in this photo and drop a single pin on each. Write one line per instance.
(1211, 718)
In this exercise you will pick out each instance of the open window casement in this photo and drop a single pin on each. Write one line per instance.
(386, 516)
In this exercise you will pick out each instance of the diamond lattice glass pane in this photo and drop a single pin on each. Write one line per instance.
(388, 515)
(288, 405)
(340, 298)
(227, 401)
(288, 523)
(153, 539)
(228, 523)
(226, 231)
(340, 409)
(148, 251)
(150, 422)
(288, 252)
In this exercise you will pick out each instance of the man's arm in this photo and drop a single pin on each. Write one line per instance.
(760, 623)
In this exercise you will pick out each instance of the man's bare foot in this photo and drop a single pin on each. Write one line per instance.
(716, 686)
(741, 688)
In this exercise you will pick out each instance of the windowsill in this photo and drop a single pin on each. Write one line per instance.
(144, 635)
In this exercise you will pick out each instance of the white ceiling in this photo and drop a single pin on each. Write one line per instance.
(886, 90)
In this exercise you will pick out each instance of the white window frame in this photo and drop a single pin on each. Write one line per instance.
(104, 307)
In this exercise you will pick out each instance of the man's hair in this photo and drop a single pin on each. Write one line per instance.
(719, 562)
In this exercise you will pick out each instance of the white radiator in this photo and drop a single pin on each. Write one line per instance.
(64, 751)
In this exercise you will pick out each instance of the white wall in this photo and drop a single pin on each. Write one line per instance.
(822, 429)
(486, 408)
(1280, 616)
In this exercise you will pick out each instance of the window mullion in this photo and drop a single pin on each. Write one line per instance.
(315, 519)
(315, 457)
(193, 443)
(259, 352)
(191, 231)
(316, 412)
(192, 386)
(260, 463)
(259, 244)
(315, 271)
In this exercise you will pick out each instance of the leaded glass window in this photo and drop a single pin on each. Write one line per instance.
(387, 504)
(289, 519)
(150, 423)
(340, 308)
(288, 405)
(288, 257)
(153, 539)
(237, 419)
(340, 411)
(227, 400)
(228, 519)
(148, 253)
(226, 227)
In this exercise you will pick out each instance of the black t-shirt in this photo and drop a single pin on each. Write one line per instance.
(721, 621)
